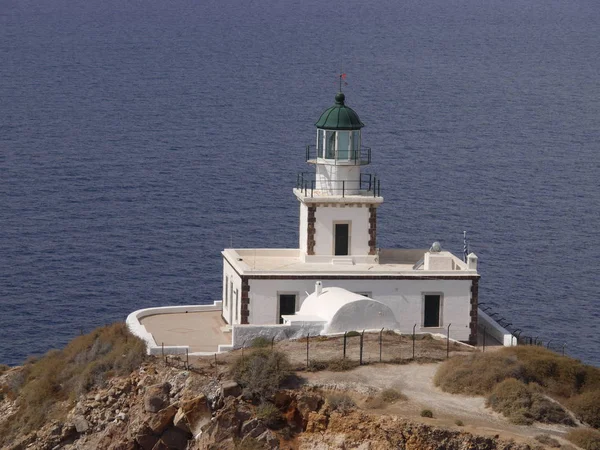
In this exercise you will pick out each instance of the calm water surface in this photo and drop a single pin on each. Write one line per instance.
(138, 139)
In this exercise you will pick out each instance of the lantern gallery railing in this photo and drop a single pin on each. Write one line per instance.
(358, 157)
(368, 185)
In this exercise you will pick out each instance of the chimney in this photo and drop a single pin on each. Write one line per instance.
(472, 261)
(318, 288)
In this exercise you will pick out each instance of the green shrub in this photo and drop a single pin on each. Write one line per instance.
(391, 395)
(261, 342)
(427, 413)
(341, 403)
(341, 365)
(586, 407)
(352, 333)
(269, 414)
(547, 440)
(261, 372)
(585, 438)
(459, 423)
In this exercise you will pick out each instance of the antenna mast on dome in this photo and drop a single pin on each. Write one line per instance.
(342, 77)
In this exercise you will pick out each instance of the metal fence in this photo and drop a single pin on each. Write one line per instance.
(522, 337)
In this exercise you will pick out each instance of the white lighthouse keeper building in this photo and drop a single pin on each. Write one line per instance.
(338, 247)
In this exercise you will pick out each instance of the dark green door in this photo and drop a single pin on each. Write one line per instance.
(287, 305)
(341, 239)
(432, 311)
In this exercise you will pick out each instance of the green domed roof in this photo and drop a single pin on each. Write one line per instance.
(339, 116)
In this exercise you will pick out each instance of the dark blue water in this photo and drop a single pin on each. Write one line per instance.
(138, 139)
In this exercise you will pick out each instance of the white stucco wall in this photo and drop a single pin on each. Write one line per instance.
(243, 335)
(404, 297)
(496, 330)
(329, 178)
(229, 306)
(356, 215)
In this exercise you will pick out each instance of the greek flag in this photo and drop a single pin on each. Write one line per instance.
(465, 246)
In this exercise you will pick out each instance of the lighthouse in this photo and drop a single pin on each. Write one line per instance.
(338, 201)
(338, 277)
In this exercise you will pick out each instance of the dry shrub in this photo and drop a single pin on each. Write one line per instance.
(427, 413)
(521, 405)
(341, 365)
(3, 368)
(316, 365)
(375, 403)
(547, 440)
(586, 407)
(49, 385)
(341, 403)
(585, 438)
(478, 373)
(269, 414)
(391, 395)
(459, 423)
(261, 342)
(249, 443)
(475, 374)
(261, 372)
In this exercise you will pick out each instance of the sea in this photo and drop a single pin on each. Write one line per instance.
(138, 138)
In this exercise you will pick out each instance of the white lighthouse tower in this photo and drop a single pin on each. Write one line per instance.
(338, 203)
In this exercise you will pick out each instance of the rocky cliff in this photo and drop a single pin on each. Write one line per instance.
(158, 407)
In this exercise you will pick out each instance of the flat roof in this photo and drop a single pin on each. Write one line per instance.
(202, 331)
(274, 261)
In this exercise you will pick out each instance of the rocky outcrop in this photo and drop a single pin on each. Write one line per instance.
(162, 408)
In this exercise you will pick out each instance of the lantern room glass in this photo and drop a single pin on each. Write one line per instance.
(338, 145)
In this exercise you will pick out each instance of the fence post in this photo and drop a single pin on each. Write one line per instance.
(216, 368)
(307, 342)
(345, 332)
(187, 359)
(484, 335)
(448, 342)
(243, 347)
(272, 342)
(162, 346)
(548, 344)
(564, 345)
(362, 335)
(414, 326)
(380, 343)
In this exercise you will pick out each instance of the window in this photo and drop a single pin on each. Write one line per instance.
(355, 145)
(330, 145)
(343, 145)
(320, 134)
(236, 304)
(231, 295)
(432, 310)
(226, 293)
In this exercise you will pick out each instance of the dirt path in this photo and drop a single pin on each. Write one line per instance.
(416, 382)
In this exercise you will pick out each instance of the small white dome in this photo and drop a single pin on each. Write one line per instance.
(346, 311)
